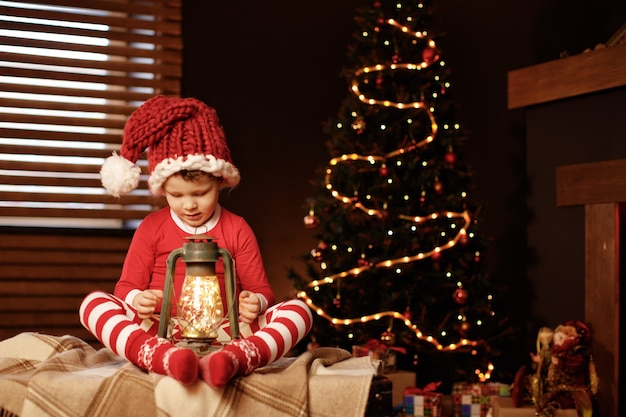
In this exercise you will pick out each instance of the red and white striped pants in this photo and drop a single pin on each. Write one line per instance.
(112, 321)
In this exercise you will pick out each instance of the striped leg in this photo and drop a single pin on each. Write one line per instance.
(279, 330)
(118, 327)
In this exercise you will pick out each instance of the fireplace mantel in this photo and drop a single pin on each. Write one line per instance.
(584, 73)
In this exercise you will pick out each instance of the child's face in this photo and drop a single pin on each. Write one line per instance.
(194, 201)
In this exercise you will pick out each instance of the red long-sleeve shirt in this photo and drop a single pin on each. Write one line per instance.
(158, 235)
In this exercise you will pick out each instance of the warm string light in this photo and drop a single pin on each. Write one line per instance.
(395, 67)
(407, 258)
(388, 264)
(406, 29)
(462, 343)
(373, 159)
(200, 310)
(386, 103)
(483, 375)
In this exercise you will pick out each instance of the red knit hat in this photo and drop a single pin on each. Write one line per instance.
(180, 134)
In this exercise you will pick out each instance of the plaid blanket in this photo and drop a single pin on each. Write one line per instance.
(42, 375)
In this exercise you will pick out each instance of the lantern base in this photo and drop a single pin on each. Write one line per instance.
(201, 347)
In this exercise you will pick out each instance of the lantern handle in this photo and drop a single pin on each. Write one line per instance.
(166, 303)
(230, 282)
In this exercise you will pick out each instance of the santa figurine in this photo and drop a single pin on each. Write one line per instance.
(571, 380)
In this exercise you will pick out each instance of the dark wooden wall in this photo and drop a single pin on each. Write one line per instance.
(46, 273)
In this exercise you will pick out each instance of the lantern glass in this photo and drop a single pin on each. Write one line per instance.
(200, 309)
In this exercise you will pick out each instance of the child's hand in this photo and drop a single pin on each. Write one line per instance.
(249, 306)
(146, 301)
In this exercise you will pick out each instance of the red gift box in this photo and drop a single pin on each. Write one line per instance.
(423, 402)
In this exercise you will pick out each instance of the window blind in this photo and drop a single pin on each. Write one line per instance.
(70, 75)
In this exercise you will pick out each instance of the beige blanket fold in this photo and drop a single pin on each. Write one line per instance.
(43, 375)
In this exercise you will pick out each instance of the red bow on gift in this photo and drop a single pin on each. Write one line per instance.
(428, 388)
(377, 345)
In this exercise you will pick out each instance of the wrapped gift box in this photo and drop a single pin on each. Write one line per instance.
(503, 407)
(496, 389)
(423, 405)
(474, 399)
(401, 380)
(469, 405)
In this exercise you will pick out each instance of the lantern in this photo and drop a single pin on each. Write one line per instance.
(200, 308)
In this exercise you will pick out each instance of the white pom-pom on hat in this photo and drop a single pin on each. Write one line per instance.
(119, 175)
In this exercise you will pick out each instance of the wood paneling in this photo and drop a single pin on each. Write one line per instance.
(591, 183)
(46, 273)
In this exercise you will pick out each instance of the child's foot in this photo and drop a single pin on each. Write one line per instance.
(217, 368)
(182, 365)
(158, 355)
(239, 357)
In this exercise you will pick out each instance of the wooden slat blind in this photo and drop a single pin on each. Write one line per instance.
(70, 75)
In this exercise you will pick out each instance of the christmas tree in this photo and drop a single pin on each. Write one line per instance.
(399, 261)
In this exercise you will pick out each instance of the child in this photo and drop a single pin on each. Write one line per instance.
(190, 164)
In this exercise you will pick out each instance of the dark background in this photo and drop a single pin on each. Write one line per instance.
(271, 69)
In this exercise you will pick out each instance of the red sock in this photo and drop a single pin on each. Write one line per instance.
(239, 357)
(158, 355)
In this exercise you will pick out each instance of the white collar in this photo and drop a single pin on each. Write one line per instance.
(205, 228)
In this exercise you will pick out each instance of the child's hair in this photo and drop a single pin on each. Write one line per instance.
(192, 175)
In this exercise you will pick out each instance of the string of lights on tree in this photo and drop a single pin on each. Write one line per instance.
(384, 205)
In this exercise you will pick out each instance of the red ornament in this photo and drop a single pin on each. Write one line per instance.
(438, 187)
(337, 301)
(358, 125)
(436, 256)
(362, 262)
(311, 221)
(388, 338)
(450, 159)
(460, 296)
(316, 254)
(465, 328)
(383, 170)
(429, 55)
(408, 314)
(312, 346)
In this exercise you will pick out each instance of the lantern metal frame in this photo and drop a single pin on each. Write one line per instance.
(200, 254)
